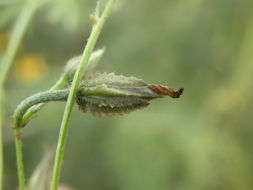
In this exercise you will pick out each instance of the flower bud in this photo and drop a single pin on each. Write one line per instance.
(73, 64)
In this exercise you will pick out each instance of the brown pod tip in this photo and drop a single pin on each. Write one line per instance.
(165, 91)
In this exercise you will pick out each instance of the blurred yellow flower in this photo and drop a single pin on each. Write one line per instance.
(4, 38)
(30, 68)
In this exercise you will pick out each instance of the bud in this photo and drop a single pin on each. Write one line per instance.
(73, 64)
(108, 94)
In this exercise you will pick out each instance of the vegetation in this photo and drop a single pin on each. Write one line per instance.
(200, 141)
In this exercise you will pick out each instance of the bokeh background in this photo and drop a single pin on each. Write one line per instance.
(200, 141)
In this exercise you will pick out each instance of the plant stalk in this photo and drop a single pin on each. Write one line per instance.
(42, 97)
(20, 164)
(6, 62)
(96, 30)
(34, 109)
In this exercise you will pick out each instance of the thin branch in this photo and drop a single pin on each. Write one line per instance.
(96, 30)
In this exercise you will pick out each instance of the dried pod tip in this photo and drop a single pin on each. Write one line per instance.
(166, 91)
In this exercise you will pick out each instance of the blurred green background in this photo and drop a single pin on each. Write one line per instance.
(201, 141)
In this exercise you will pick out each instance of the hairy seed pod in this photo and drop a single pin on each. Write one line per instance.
(109, 94)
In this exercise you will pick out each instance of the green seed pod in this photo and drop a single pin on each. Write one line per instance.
(108, 94)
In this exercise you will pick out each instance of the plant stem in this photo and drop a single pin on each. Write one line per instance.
(6, 62)
(19, 153)
(34, 109)
(42, 97)
(19, 112)
(97, 27)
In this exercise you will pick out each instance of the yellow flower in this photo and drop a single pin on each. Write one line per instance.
(30, 68)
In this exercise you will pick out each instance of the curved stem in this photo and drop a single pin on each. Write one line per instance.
(60, 84)
(96, 30)
(42, 97)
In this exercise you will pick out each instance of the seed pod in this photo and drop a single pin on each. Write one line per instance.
(109, 94)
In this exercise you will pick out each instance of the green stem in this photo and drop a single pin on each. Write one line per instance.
(97, 10)
(47, 96)
(61, 83)
(19, 153)
(42, 97)
(6, 62)
(97, 27)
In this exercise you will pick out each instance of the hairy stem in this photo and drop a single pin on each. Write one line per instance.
(34, 109)
(60, 95)
(42, 97)
(6, 62)
(97, 27)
